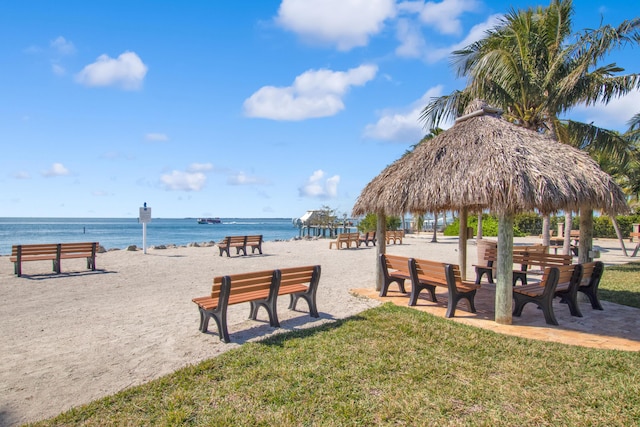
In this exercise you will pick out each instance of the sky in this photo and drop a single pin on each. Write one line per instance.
(252, 109)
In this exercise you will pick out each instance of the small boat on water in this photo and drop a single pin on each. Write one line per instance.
(209, 221)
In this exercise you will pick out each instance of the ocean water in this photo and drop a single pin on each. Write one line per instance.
(122, 232)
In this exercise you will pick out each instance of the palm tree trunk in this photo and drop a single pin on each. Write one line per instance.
(434, 239)
(566, 247)
(504, 272)
(546, 224)
(381, 236)
(616, 227)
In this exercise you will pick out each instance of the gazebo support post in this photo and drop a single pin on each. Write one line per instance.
(504, 273)
(585, 244)
(462, 244)
(381, 237)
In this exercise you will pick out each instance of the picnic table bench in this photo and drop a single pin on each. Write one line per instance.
(346, 239)
(425, 274)
(559, 281)
(558, 242)
(240, 243)
(259, 289)
(54, 252)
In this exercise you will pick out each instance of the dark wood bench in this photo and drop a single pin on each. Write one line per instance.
(561, 281)
(240, 243)
(54, 252)
(368, 237)
(428, 275)
(345, 239)
(394, 269)
(259, 289)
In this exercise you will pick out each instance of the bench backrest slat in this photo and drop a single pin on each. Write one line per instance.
(299, 275)
(395, 262)
(243, 282)
(431, 269)
(35, 249)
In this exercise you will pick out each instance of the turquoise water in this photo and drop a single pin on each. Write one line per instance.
(122, 232)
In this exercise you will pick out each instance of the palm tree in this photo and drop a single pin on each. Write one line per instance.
(533, 67)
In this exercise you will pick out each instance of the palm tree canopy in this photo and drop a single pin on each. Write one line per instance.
(535, 69)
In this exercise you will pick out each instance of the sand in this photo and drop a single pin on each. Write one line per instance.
(72, 338)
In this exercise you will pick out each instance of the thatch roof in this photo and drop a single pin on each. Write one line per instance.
(485, 162)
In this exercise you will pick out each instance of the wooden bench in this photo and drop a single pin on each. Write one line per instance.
(368, 237)
(346, 239)
(255, 243)
(536, 262)
(394, 236)
(259, 289)
(591, 275)
(520, 255)
(562, 281)
(54, 252)
(240, 243)
(394, 269)
(428, 275)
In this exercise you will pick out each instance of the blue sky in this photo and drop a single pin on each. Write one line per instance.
(231, 109)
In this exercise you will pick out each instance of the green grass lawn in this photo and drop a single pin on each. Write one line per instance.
(392, 366)
(621, 284)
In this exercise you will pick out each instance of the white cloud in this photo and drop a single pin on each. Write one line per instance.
(100, 193)
(22, 175)
(242, 178)
(183, 181)
(477, 32)
(314, 93)
(614, 115)
(444, 16)
(344, 23)
(200, 167)
(57, 169)
(319, 187)
(156, 137)
(58, 69)
(127, 71)
(63, 46)
(402, 125)
(412, 43)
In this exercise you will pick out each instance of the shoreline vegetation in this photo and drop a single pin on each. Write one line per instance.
(120, 346)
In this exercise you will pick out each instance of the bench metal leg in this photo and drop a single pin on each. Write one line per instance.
(416, 288)
(544, 303)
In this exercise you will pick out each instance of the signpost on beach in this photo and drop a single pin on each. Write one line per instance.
(145, 217)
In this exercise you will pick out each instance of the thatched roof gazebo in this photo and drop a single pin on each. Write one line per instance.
(485, 162)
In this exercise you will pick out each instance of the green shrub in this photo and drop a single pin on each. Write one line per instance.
(370, 222)
(489, 226)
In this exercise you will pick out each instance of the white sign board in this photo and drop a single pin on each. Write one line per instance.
(145, 215)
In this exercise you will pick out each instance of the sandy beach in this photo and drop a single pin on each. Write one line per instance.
(71, 338)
